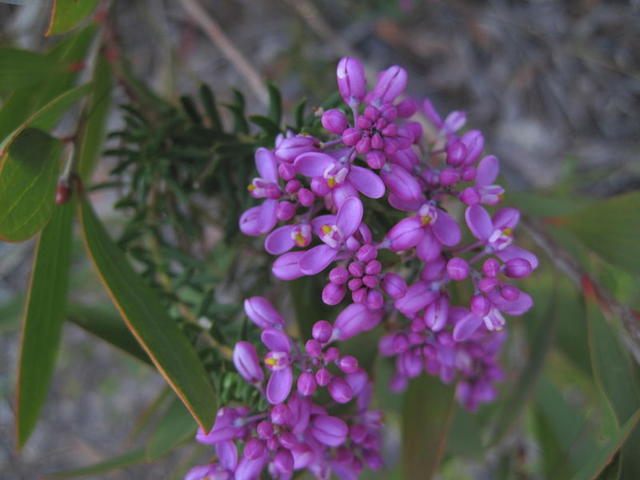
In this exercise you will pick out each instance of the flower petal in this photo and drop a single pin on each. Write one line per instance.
(466, 327)
(316, 259)
(506, 218)
(479, 222)
(262, 312)
(279, 385)
(512, 252)
(366, 182)
(267, 165)
(280, 240)
(406, 233)
(350, 216)
(429, 247)
(276, 340)
(227, 454)
(488, 170)
(446, 229)
(268, 218)
(313, 164)
(287, 266)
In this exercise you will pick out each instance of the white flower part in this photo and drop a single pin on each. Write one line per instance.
(333, 177)
(494, 320)
(331, 235)
(301, 235)
(427, 214)
(500, 239)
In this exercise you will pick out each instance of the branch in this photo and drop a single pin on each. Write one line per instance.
(211, 28)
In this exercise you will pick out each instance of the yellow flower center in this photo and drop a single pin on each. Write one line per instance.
(331, 182)
(326, 229)
(271, 361)
(251, 187)
(299, 239)
(426, 220)
(507, 231)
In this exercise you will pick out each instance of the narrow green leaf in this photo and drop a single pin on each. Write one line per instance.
(517, 396)
(10, 313)
(617, 378)
(42, 326)
(275, 105)
(107, 326)
(610, 228)
(95, 118)
(128, 459)
(176, 426)
(24, 101)
(24, 68)
(67, 14)
(426, 418)
(52, 110)
(605, 455)
(142, 311)
(28, 176)
(465, 435)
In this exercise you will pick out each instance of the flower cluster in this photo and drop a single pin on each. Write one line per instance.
(295, 431)
(433, 184)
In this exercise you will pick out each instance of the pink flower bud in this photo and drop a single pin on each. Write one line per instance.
(348, 364)
(394, 285)
(306, 384)
(306, 197)
(480, 305)
(323, 377)
(289, 148)
(449, 176)
(391, 83)
(313, 348)
(356, 269)
(332, 293)
(407, 108)
(245, 359)
(351, 136)
(330, 431)
(366, 253)
(470, 196)
(491, 267)
(456, 152)
(517, 268)
(340, 390)
(375, 159)
(322, 331)
(375, 300)
(351, 81)
(285, 211)
(458, 268)
(338, 275)
(335, 121)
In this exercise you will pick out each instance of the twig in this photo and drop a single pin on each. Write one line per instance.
(211, 28)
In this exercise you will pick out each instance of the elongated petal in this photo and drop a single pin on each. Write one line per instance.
(320, 220)
(429, 247)
(280, 240)
(391, 83)
(446, 229)
(262, 312)
(351, 80)
(268, 217)
(350, 216)
(366, 182)
(313, 164)
(405, 205)
(279, 386)
(512, 252)
(218, 435)
(351, 321)
(228, 454)
(287, 266)
(249, 221)
(402, 184)
(479, 222)
(267, 165)
(488, 170)
(245, 359)
(506, 218)
(405, 234)
(249, 469)
(200, 472)
(276, 340)
(418, 296)
(466, 327)
(331, 431)
(516, 307)
(316, 259)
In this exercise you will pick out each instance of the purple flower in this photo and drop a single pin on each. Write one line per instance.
(246, 362)
(262, 313)
(351, 81)
(278, 361)
(262, 219)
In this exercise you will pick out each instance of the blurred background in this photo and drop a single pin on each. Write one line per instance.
(554, 85)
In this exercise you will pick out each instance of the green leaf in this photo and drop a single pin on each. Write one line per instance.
(107, 326)
(610, 228)
(143, 312)
(465, 435)
(275, 105)
(43, 116)
(94, 119)
(605, 455)
(175, 427)
(67, 14)
(426, 418)
(617, 378)
(45, 312)
(23, 102)
(517, 396)
(128, 459)
(28, 177)
(24, 68)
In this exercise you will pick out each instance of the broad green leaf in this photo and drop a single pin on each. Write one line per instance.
(564, 432)
(95, 118)
(67, 14)
(176, 426)
(610, 228)
(24, 101)
(128, 459)
(599, 462)
(517, 396)
(465, 435)
(23, 68)
(426, 418)
(43, 320)
(617, 377)
(28, 177)
(143, 312)
(43, 116)
(107, 326)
